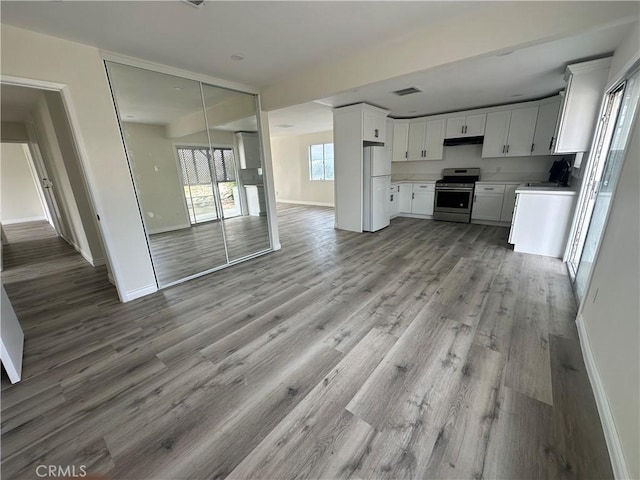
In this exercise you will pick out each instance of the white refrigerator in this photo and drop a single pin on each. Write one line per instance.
(377, 181)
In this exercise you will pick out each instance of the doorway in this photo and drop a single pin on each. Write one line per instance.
(601, 178)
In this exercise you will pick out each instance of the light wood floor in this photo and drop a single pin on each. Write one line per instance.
(181, 253)
(425, 350)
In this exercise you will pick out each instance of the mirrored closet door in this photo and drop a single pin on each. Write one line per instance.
(195, 159)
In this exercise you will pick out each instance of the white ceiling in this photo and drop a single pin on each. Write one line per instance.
(279, 38)
(526, 74)
(276, 38)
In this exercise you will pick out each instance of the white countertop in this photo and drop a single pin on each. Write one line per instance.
(546, 190)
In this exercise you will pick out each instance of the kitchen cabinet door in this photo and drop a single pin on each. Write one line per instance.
(455, 127)
(374, 127)
(475, 125)
(496, 134)
(545, 128)
(417, 132)
(422, 203)
(400, 141)
(508, 203)
(521, 129)
(404, 197)
(487, 206)
(434, 137)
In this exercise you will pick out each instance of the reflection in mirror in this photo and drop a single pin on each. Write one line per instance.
(164, 129)
(233, 128)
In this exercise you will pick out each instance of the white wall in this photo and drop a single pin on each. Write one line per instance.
(19, 198)
(611, 308)
(291, 170)
(470, 156)
(27, 54)
(155, 169)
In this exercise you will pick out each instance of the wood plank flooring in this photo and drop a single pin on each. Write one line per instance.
(425, 350)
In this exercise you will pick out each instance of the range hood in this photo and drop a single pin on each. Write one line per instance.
(452, 142)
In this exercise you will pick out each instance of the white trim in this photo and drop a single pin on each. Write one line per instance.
(198, 77)
(170, 228)
(137, 293)
(415, 215)
(616, 453)
(306, 202)
(24, 220)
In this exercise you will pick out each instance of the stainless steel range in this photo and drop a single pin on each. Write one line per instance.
(454, 194)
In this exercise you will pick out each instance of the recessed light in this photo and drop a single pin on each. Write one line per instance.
(177, 88)
(237, 57)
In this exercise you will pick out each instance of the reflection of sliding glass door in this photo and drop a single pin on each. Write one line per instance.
(198, 187)
(224, 166)
(199, 171)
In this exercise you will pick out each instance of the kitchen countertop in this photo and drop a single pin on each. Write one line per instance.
(540, 189)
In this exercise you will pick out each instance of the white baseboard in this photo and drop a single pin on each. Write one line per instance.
(139, 292)
(414, 215)
(24, 220)
(614, 446)
(305, 202)
(170, 228)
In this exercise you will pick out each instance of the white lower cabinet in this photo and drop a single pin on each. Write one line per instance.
(404, 197)
(394, 200)
(508, 203)
(422, 198)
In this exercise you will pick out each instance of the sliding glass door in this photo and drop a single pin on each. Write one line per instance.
(184, 146)
(602, 177)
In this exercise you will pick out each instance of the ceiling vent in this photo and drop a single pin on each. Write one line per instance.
(407, 91)
(195, 3)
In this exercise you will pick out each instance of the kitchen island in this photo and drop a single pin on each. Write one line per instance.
(542, 219)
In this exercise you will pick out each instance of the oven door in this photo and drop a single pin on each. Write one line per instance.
(453, 200)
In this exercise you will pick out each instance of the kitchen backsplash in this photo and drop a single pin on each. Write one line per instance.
(468, 156)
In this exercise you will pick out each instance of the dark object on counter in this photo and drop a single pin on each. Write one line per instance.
(560, 172)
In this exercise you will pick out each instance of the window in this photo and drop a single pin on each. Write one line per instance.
(321, 161)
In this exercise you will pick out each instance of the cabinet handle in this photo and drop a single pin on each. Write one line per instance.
(551, 143)
(488, 188)
(466, 128)
(533, 147)
(391, 197)
(507, 148)
(503, 148)
(398, 187)
(375, 133)
(462, 129)
(406, 154)
(413, 196)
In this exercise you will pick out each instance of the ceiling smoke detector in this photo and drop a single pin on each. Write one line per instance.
(195, 3)
(407, 91)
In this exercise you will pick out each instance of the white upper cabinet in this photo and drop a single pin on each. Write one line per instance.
(417, 133)
(510, 133)
(521, 130)
(400, 140)
(434, 138)
(545, 127)
(496, 134)
(425, 140)
(466, 126)
(374, 126)
(585, 88)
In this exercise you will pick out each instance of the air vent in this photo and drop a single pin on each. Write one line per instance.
(195, 3)
(407, 91)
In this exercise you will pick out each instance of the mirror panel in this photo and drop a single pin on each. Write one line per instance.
(233, 131)
(164, 129)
